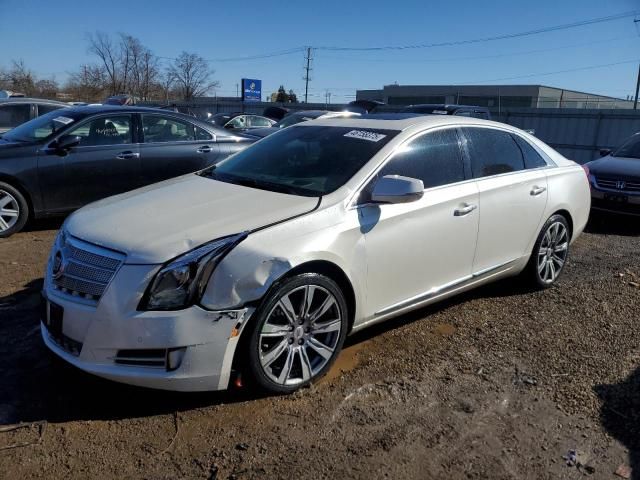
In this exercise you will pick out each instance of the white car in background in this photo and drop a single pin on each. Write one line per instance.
(267, 261)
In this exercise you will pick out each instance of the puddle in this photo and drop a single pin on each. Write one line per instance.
(347, 361)
(445, 329)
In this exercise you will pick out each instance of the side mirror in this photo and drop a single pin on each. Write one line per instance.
(397, 189)
(605, 151)
(66, 142)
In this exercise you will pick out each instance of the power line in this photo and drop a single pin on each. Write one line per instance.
(479, 57)
(578, 69)
(537, 31)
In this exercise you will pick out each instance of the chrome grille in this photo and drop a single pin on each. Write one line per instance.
(618, 184)
(85, 270)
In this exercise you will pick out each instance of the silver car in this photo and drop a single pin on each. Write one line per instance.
(266, 262)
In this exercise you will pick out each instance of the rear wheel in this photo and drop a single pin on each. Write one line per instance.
(550, 252)
(14, 210)
(298, 333)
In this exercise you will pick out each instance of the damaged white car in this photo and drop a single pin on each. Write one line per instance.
(267, 261)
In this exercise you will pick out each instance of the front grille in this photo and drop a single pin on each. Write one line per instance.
(618, 184)
(612, 206)
(82, 270)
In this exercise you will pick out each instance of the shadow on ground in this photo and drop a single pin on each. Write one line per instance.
(38, 386)
(611, 224)
(620, 415)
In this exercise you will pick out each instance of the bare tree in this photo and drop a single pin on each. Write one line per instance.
(192, 75)
(18, 78)
(101, 45)
(89, 83)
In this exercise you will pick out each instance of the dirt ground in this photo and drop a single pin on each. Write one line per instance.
(498, 383)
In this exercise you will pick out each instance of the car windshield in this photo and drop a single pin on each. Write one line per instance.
(295, 118)
(629, 149)
(306, 160)
(40, 128)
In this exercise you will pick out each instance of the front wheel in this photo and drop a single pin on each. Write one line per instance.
(550, 252)
(298, 333)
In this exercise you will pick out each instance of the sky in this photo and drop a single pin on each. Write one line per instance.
(50, 36)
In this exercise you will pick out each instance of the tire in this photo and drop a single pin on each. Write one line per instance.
(290, 346)
(14, 210)
(550, 253)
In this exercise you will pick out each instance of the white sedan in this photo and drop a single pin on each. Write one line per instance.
(266, 262)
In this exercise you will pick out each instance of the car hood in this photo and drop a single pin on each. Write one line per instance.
(157, 223)
(6, 144)
(616, 167)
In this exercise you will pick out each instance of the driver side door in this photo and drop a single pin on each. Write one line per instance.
(416, 250)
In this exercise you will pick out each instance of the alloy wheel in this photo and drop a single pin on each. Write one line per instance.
(552, 253)
(300, 335)
(9, 210)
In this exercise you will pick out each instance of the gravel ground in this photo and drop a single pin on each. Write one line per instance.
(498, 383)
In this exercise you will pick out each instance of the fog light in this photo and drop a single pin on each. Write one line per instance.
(174, 358)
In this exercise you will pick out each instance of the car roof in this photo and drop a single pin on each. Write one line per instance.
(32, 100)
(397, 121)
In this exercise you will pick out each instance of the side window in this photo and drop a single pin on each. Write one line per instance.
(532, 159)
(14, 115)
(202, 134)
(42, 109)
(112, 130)
(434, 158)
(239, 122)
(255, 121)
(492, 152)
(159, 129)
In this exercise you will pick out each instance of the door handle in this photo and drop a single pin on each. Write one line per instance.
(127, 155)
(205, 149)
(535, 191)
(466, 210)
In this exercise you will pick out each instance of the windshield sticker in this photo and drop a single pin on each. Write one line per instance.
(65, 120)
(364, 135)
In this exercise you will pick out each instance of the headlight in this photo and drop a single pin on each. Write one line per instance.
(182, 281)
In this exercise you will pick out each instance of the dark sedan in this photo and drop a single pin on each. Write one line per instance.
(615, 179)
(65, 159)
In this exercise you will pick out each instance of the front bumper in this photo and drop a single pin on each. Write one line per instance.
(600, 201)
(207, 339)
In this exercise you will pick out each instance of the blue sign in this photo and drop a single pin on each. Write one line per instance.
(251, 90)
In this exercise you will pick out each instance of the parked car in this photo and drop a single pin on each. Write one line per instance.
(65, 159)
(447, 109)
(297, 117)
(264, 263)
(240, 121)
(615, 179)
(16, 110)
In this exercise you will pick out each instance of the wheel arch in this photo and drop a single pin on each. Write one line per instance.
(567, 215)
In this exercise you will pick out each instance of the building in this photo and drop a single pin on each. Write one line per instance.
(496, 97)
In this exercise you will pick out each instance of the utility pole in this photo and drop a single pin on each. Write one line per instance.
(635, 101)
(306, 77)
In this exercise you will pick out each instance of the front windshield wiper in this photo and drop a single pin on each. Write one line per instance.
(257, 183)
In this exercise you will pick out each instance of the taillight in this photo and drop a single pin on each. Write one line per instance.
(586, 170)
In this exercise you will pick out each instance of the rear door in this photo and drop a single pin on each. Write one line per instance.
(512, 197)
(106, 162)
(174, 146)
